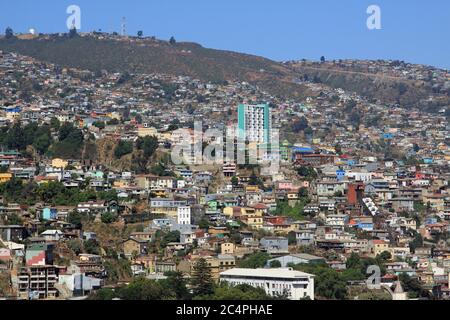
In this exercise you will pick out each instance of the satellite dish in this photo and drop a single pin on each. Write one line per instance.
(32, 31)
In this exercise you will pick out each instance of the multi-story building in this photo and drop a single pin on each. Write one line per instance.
(255, 123)
(168, 207)
(184, 215)
(295, 285)
(38, 282)
(220, 263)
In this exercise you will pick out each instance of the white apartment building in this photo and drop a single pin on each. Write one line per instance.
(336, 220)
(297, 285)
(184, 215)
(255, 122)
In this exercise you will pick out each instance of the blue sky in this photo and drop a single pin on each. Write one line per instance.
(412, 30)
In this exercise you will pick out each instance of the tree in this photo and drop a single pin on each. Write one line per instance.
(237, 293)
(140, 33)
(144, 289)
(303, 192)
(123, 148)
(354, 261)
(48, 191)
(201, 282)
(73, 32)
(351, 104)
(15, 138)
(374, 295)
(328, 282)
(103, 294)
(91, 246)
(176, 283)
(70, 141)
(204, 224)
(275, 264)
(75, 245)
(173, 236)
(14, 219)
(148, 144)
(55, 123)
(322, 59)
(99, 124)
(42, 143)
(255, 260)
(308, 131)
(338, 149)
(300, 124)
(292, 238)
(307, 172)
(75, 218)
(172, 41)
(410, 285)
(113, 122)
(384, 256)
(416, 243)
(9, 33)
(108, 217)
(255, 180)
(234, 181)
(172, 127)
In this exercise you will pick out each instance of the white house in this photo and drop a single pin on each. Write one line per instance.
(184, 215)
(295, 284)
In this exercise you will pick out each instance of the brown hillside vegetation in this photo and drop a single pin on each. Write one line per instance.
(385, 88)
(147, 56)
(153, 56)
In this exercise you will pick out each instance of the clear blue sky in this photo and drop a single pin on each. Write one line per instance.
(416, 31)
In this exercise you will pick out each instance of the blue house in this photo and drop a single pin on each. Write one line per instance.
(367, 226)
(431, 220)
(13, 110)
(340, 174)
(49, 214)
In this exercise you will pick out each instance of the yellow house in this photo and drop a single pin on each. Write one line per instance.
(159, 193)
(121, 184)
(378, 246)
(228, 211)
(255, 222)
(283, 228)
(114, 115)
(250, 189)
(13, 116)
(227, 248)
(252, 217)
(5, 177)
(59, 163)
(145, 132)
(232, 211)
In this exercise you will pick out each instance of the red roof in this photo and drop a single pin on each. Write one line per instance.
(379, 242)
(259, 206)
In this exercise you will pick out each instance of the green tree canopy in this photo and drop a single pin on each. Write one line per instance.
(201, 282)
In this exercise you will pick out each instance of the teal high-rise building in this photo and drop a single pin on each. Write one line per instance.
(255, 123)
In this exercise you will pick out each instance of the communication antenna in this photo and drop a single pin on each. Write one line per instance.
(124, 26)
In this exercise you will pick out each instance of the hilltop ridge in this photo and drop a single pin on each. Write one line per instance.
(113, 53)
